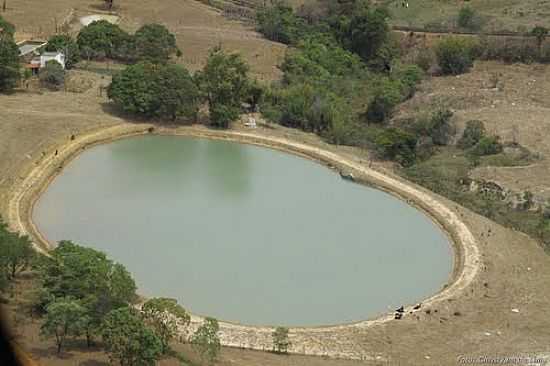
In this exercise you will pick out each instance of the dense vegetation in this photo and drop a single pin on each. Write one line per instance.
(152, 43)
(9, 57)
(151, 90)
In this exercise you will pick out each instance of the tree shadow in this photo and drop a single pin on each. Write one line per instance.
(51, 352)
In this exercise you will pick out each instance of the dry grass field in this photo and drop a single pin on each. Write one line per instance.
(515, 272)
(197, 27)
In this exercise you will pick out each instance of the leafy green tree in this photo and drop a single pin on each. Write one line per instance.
(67, 45)
(279, 23)
(206, 340)
(540, 33)
(396, 144)
(154, 43)
(387, 95)
(165, 91)
(101, 39)
(52, 75)
(6, 28)
(64, 317)
(16, 252)
(368, 31)
(473, 132)
(281, 341)
(224, 82)
(9, 59)
(128, 340)
(409, 76)
(164, 315)
(89, 277)
(454, 55)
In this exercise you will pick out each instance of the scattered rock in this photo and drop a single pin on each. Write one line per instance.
(515, 310)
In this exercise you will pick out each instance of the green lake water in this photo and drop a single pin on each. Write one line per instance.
(244, 233)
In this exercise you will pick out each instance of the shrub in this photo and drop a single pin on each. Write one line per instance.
(279, 23)
(425, 59)
(386, 97)
(52, 75)
(474, 131)
(467, 18)
(487, 145)
(454, 55)
(409, 77)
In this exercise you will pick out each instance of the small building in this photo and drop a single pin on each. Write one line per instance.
(30, 48)
(49, 56)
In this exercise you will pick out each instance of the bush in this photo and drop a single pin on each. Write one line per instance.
(52, 75)
(386, 97)
(409, 77)
(65, 44)
(425, 59)
(487, 145)
(165, 91)
(474, 131)
(454, 55)
(467, 18)
(279, 23)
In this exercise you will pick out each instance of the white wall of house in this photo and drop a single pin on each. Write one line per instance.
(47, 56)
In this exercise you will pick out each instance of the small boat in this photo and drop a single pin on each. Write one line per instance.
(347, 176)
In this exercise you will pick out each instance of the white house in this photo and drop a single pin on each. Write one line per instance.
(48, 56)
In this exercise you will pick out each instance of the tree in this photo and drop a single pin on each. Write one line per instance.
(154, 43)
(9, 58)
(454, 55)
(164, 315)
(206, 340)
(88, 276)
(279, 23)
(16, 252)
(52, 75)
(281, 342)
(64, 317)
(540, 34)
(128, 340)
(368, 31)
(6, 28)
(102, 39)
(466, 18)
(396, 144)
(67, 45)
(165, 91)
(224, 82)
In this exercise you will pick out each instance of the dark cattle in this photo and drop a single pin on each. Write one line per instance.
(398, 316)
(400, 310)
(416, 307)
